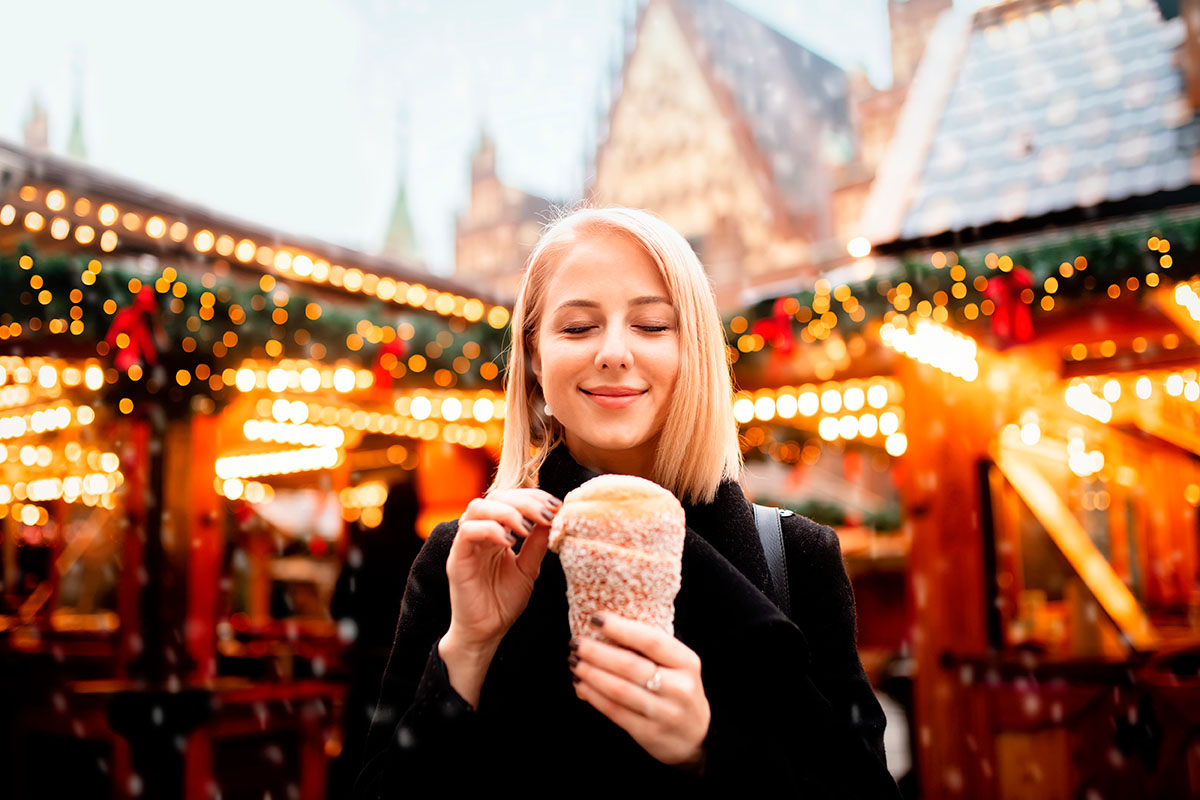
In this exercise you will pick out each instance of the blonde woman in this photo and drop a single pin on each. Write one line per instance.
(618, 365)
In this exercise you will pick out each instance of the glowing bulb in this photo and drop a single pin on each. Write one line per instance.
(868, 425)
(785, 406)
(859, 247)
(421, 407)
(310, 379)
(1143, 388)
(343, 379)
(482, 409)
(244, 379)
(1030, 433)
(808, 403)
(277, 380)
(743, 409)
(889, 423)
(451, 409)
(831, 401)
(896, 444)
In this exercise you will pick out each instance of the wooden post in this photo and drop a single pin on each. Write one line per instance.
(206, 540)
(950, 423)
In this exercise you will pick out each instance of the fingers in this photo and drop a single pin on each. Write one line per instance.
(633, 667)
(529, 560)
(504, 514)
(653, 643)
(520, 510)
(478, 532)
(639, 726)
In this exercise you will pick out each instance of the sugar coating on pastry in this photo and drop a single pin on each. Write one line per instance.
(620, 542)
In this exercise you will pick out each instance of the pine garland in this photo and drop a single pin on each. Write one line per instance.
(1111, 257)
(24, 281)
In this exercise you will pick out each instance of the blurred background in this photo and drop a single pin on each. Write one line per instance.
(256, 270)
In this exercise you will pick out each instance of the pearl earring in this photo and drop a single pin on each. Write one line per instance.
(546, 410)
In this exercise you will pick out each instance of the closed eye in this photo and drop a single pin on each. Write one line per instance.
(575, 329)
(653, 328)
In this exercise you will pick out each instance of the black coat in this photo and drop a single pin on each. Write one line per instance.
(791, 706)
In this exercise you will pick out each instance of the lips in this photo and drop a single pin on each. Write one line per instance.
(613, 396)
(613, 391)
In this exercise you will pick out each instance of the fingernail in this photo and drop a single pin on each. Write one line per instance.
(574, 678)
(597, 620)
(573, 645)
(572, 660)
(548, 516)
(528, 524)
(555, 502)
(512, 539)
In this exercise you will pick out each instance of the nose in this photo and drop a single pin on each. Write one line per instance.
(614, 352)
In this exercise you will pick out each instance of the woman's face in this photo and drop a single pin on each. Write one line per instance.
(607, 353)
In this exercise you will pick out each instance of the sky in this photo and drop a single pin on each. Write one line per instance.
(286, 114)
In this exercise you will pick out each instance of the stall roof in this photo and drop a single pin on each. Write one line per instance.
(19, 166)
(1025, 110)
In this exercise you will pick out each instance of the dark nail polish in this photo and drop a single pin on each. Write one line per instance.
(573, 645)
(555, 502)
(573, 660)
(512, 539)
(574, 678)
(528, 524)
(597, 620)
(548, 516)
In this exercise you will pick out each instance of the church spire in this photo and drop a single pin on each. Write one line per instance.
(76, 148)
(400, 242)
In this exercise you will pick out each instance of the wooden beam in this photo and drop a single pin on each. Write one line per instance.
(1070, 537)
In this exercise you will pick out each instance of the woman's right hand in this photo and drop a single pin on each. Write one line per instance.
(490, 584)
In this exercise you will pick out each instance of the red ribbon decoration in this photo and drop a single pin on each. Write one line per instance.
(1012, 320)
(135, 321)
(383, 375)
(776, 330)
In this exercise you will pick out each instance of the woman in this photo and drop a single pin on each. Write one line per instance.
(618, 365)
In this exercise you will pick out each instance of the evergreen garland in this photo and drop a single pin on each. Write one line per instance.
(61, 274)
(1112, 257)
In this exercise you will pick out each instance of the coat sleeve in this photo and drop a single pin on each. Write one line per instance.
(823, 608)
(421, 725)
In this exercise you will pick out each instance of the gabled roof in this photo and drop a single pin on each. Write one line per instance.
(19, 165)
(793, 101)
(1052, 107)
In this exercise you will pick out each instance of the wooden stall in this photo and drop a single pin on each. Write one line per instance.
(219, 448)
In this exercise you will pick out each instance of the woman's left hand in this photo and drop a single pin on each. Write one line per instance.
(649, 685)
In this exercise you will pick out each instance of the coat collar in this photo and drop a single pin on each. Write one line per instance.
(727, 523)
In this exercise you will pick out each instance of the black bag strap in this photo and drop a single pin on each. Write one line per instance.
(770, 533)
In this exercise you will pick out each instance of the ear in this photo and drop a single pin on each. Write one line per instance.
(535, 362)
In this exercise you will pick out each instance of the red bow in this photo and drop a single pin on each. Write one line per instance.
(777, 329)
(1012, 321)
(135, 322)
(383, 374)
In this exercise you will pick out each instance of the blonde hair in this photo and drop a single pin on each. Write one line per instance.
(698, 446)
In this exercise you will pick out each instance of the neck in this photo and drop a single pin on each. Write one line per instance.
(635, 461)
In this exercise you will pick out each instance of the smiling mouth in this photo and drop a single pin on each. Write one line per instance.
(614, 401)
(614, 394)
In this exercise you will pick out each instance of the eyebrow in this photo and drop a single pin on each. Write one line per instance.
(644, 300)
